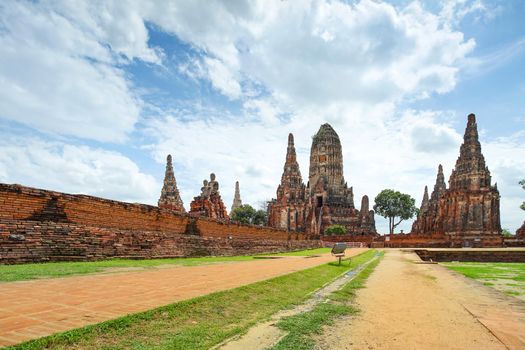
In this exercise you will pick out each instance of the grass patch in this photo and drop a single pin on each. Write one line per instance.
(506, 277)
(9, 273)
(201, 322)
(301, 328)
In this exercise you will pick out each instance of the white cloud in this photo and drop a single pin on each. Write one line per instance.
(319, 52)
(58, 76)
(69, 168)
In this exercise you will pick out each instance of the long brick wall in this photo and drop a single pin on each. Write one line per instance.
(472, 255)
(39, 225)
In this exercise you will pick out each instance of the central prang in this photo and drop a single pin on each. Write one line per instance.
(326, 200)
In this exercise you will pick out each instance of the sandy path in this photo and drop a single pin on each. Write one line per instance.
(32, 309)
(422, 306)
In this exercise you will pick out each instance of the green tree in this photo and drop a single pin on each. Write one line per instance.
(335, 230)
(391, 204)
(260, 217)
(506, 233)
(522, 183)
(246, 214)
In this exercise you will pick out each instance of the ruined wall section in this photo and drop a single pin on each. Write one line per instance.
(38, 225)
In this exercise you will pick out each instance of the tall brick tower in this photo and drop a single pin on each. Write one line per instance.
(288, 210)
(237, 202)
(330, 201)
(428, 218)
(169, 196)
(471, 203)
(468, 211)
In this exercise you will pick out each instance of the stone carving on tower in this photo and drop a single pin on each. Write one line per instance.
(209, 203)
(287, 211)
(237, 202)
(169, 196)
(469, 208)
(330, 201)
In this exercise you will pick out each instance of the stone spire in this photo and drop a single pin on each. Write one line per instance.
(288, 209)
(169, 196)
(440, 186)
(237, 202)
(326, 168)
(365, 208)
(291, 180)
(424, 202)
(470, 172)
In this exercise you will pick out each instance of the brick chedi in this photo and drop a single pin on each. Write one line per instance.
(237, 202)
(287, 211)
(329, 200)
(209, 203)
(169, 196)
(427, 220)
(520, 233)
(469, 209)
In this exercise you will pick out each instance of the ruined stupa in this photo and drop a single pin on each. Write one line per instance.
(169, 196)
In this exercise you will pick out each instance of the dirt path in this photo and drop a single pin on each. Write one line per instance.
(422, 306)
(32, 309)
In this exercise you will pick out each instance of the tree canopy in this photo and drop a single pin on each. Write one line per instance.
(391, 204)
(246, 214)
(335, 230)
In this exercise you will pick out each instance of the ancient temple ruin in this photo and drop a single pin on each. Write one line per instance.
(329, 200)
(287, 211)
(427, 219)
(326, 200)
(469, 208)
(169, 196)
(237, 202)
(209, 203)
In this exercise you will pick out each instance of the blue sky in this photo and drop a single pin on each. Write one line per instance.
(95, 94)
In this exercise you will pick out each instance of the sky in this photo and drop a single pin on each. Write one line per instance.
(95, 94)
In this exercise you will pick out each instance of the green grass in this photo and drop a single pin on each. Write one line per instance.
(201, 322)
(302, 328)
(507, 277)
(9, 273)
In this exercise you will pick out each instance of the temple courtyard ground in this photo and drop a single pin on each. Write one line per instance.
(406, 303)
(33, 309)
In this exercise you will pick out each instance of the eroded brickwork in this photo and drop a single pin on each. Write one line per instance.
(330, 200)
(469, 208)
(169, 196)
(287, 211)
(209, 203)
(520, 233)
(326, 200)
(38, 225)
(237, 202)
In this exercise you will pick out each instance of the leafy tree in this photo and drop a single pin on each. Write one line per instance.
(260, 217)
(522, 183)
(506, 233)
(391, 204)
(335, 230)
(246, 214)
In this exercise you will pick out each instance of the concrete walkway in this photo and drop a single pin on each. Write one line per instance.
(33, 309)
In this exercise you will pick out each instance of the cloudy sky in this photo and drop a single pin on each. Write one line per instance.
(95, 94)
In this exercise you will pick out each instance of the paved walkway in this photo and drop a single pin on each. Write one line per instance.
(32, 309)
(410, 305)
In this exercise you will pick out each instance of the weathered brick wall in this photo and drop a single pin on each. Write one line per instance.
(39, 225)
(472, 255)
